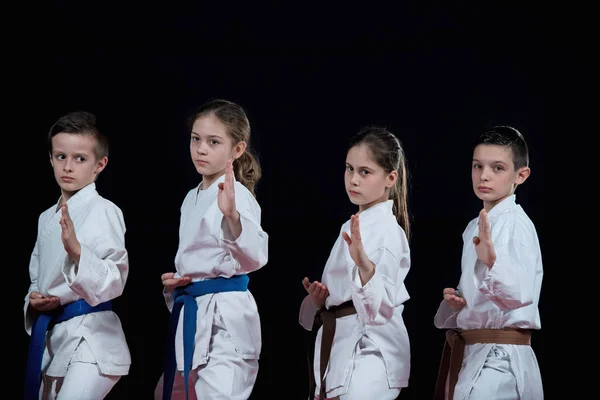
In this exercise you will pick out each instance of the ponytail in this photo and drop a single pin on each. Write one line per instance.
(247, 170)
(398, 194)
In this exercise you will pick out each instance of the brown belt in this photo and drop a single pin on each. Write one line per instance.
(452, 355)
(327, 318)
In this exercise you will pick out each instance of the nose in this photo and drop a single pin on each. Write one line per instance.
(68, 167)
(202, 149)
(485, 174)
(354, 179)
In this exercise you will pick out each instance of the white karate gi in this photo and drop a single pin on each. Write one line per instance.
(370, 355)
(505, 296)
(226, 368)
(95, 338)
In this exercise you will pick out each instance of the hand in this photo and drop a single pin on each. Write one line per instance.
(483, 242)
(456, 302)
(226, 195)
(69, 239)
(317, 291)
(366, 268)
(41, 303)
(170, 282)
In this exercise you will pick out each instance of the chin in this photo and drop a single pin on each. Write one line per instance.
(356, 203)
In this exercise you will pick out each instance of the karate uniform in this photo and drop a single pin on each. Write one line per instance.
(97, 338)
(228, 333)
(370, 356)
(505, 296)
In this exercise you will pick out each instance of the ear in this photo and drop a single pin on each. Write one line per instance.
(239, 149)
(391, 179)
(51, 162)
(522, 175)
(100, 165)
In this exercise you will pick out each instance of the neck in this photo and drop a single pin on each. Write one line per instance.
(364, 207)
(488, 205)
(208, 180)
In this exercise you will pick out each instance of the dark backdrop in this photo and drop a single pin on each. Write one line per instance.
(309, 78)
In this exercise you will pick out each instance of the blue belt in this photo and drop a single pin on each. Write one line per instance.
(186, 296)
(41, 324)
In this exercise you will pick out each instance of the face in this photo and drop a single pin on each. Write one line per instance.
(211, 147)
(366, 182)
(493, 174)
(74, 162)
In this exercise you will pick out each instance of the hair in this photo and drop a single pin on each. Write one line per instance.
(387, 152)
(80, 123)
(509, 137)
(246, 168)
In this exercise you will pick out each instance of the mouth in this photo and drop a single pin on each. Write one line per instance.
(484, 189)
(201, 162)
(66, 179)
(353, 193)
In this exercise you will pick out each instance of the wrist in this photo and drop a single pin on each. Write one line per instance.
(75, 253)
(233, 218)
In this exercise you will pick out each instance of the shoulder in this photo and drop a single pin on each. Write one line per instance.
(513, 224)
(102, 205)
(244, 198)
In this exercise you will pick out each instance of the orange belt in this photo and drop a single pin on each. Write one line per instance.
(454, 348)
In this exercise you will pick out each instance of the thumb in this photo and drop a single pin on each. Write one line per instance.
(36, 295)
(305, 283)
(167, 275)
(220, 186)
(476, 240)
(347, 237)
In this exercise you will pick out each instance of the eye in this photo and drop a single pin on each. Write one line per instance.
(349, 168)
(81, 159)
(365, 172)
(498, 168)
(476, 166)
(60, 157)
(214, 142)
(195, 139)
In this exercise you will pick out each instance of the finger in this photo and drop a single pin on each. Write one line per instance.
(36, 295)
(170, 283)
(476, 240)
(305, 283)
(347, 238)
(167, 275)
(356, 232)
(486, 226)
(230, 170)
(313, 286)
(220, 186)
(449, 291)
(318, 291)
(65, 211)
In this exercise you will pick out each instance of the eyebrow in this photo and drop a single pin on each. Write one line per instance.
(360, 166)
(77, 153)
(493, 162)
(209, 136)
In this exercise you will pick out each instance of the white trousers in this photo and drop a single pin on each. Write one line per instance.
(226, 376)
(368, 380)
(83, 380)
(496, 380)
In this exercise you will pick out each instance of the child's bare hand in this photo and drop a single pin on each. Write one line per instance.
(170, 282)
(455, 302)
(68, 236)
(317, 291)
(41, 303)
(484, 247)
